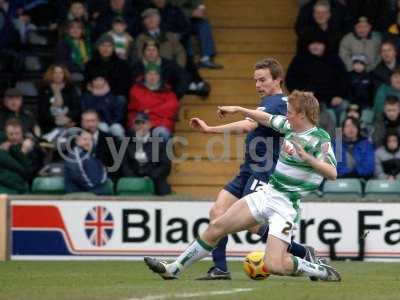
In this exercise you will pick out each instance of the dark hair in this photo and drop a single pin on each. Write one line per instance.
(355, 122)
(48, 75)
(396, 72)
(90, 111)
(272, 65)
(389, 42)
(391, 100)
(74, 22)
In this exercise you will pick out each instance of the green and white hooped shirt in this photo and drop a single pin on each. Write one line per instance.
(293, 177)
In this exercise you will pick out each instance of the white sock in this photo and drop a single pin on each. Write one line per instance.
(196, 251)
(306, 268)
(205, 58)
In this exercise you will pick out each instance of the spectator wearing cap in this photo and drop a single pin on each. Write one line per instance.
(146, 155)
(388, 121)
(196, 11)
(123, 41)
(157, 100)
(320, 72)
(389, 62)
(16, 169)
(59, 105)
(100, 98)
(387, 158)
(361, 88)
(75, 50)
(361, 40)
(170, 47)
(106, 62)
(13, 109)
(83, 172)
(323, 24)
(172, 74)
(356, 151)
(118, 8)
(387, 90)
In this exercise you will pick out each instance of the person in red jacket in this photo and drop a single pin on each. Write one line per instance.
(155, 98)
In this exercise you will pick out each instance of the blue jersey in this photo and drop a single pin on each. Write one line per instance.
(263, 143)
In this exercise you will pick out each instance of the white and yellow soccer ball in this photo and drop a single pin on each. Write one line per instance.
(254, 267)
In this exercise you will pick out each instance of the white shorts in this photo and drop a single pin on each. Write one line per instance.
(270, 206)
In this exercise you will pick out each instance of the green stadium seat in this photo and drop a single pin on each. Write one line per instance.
(48, 186)
(343, 188)
(8, 191)
(109, 187)
(135, 186)
(376, 188)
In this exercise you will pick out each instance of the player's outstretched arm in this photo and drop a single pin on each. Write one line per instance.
(239, 127)
(325, 169)
(258, 116)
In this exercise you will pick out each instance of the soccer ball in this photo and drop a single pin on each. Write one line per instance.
(254, 267)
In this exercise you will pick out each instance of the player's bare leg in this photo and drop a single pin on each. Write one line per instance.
(237, 218)
(279, 262)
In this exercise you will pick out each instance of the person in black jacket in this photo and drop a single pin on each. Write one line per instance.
(83, 172)
(389, 62)
(106, 62)
(171, 73)
(59, 104)
(103, 143)
(319, 72)
(141, 160)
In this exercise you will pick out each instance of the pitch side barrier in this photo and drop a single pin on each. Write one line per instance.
(117, 228)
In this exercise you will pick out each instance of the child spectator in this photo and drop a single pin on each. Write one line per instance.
(74, 50)
(361, 40)
(157, 100)
(146, 156)
(122, 40)
(356, 153)
(361, 89)
(12, 109)
(83, 172)
(100, 98)
(387, 90)
(387, 158)
(15, 161)
(389, 121)
(59, 105)
(171, 73)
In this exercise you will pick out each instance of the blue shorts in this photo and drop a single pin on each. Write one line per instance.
(246, 183)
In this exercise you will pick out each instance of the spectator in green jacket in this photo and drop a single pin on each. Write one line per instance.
(387, 90)
(15, 158)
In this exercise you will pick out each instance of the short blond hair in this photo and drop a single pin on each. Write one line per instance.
(305, 102)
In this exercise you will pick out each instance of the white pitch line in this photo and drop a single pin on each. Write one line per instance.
(193, 295)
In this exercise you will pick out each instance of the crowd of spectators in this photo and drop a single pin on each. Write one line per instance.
(347, 54)
(115, 68)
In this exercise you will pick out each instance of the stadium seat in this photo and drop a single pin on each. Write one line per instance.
(382, 189)
(343, 188)
(109, 190)
(48, 185)
(6, 190)
(135, 186)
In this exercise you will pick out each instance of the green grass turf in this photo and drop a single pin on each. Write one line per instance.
(130, 280)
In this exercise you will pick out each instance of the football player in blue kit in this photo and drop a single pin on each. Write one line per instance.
(261, 155)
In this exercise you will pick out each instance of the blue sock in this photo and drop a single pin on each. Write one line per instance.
(297, 250)
(219, 254)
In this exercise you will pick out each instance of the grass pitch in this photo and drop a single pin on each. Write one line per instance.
(132, 280)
